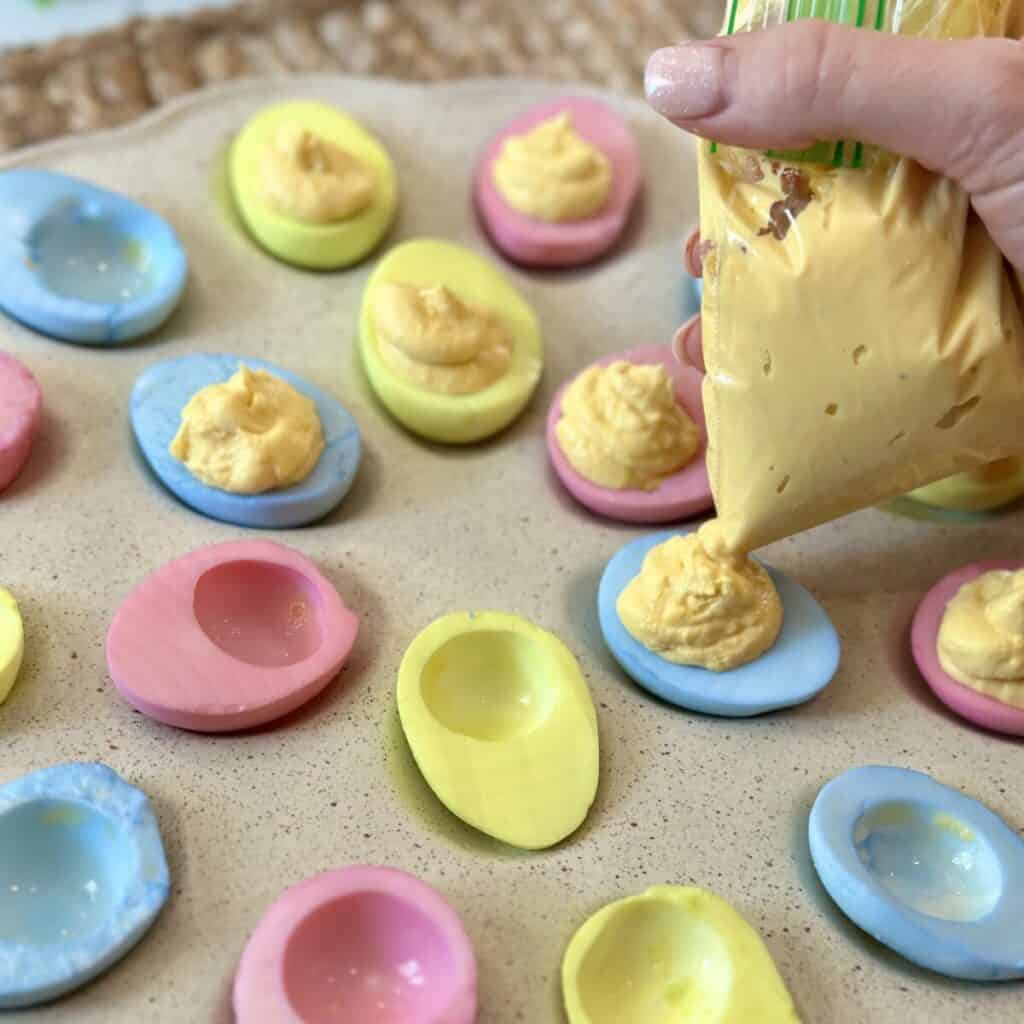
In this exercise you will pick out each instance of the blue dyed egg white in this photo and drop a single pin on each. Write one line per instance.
(163, 390)
(925, 869)
(82, 877)
(84, 264)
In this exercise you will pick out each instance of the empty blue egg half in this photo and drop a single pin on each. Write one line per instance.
(926, 870)
(83, 264)
(800, 664)
(82, 877)
(164, 389)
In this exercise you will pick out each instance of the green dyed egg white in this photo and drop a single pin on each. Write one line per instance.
(983, 490)
(454, 419)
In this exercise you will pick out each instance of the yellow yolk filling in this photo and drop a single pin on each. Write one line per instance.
(695, 606)
(252, 433)
(430, 338)
(981, 638)
(310, 179)
(551, 174)
(621, 427)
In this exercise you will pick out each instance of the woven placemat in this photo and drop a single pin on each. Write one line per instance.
(98, 81)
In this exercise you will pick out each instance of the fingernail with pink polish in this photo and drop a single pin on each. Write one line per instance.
(687, 344)
(684, 83)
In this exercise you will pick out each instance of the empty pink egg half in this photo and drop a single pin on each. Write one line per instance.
(228, 637)
(359, 945)
(924, 638)
(567, 243)
(684, 494)
(21, 408)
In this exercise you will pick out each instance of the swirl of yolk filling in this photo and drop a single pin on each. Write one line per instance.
(431, 338)
(622, 427)
(249, 434)
(981, 638)
(694, 607)
(313, 180)
(551, 174)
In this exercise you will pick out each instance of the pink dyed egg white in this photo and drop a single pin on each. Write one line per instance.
(976, 707)
(229, 637)
(684, 494)
(568, 243)
(359, 945)
(21, 407)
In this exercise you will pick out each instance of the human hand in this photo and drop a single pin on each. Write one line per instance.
(956, 107)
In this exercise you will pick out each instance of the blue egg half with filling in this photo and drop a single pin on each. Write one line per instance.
(82, 877)
(83, 264)
(800, 664)
(926, 870)
(164, 389)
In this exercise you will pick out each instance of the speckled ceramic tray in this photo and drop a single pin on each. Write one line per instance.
(426, 530)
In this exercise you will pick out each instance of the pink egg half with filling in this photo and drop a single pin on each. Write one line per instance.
(566, 243)
(229, 637)
(359, 945)
(924, 635)
(21, 408)
(684, 494)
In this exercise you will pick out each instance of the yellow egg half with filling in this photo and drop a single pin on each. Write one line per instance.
(502, 726)
(312, 185)
(451, 349)
(12, 642)
(671, 955)
(980, 490)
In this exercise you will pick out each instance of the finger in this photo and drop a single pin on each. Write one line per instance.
(693, 256)
(687, 346)
(955, 107)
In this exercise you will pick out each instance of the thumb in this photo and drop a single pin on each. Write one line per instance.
(956, 107)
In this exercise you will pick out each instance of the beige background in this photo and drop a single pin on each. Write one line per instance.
(717, 803)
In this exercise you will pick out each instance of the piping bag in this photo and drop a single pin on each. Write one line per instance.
(862, 334)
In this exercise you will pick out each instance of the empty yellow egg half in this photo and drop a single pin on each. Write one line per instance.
(501, 724)
(670, 955)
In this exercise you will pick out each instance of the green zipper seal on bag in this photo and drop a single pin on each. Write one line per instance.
(840, 12)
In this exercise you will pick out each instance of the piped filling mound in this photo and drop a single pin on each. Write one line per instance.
(249, 434)
(313, 180)
(622, 428)
(694, 603)
(429, 337)
(981, 638)
(552, 174)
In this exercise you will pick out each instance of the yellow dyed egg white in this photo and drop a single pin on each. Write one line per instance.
(480, 285)
(501, 724)
(981, 490)
(672, 955)
(12, 642)
(321, 246)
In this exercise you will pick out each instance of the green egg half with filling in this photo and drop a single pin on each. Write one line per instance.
(672, 955)
(501, 724)
(320, 246)
(458, 418)
(985, 489)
